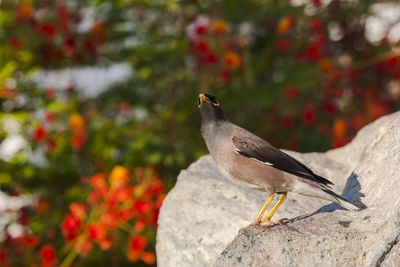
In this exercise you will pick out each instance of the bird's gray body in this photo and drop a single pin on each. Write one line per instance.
(250, 161)
(244, 171)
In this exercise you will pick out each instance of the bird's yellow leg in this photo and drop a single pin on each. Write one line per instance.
(267, 219)
(262, 211)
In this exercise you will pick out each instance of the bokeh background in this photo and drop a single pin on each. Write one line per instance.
(98, 105)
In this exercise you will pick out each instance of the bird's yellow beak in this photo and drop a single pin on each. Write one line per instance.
(202, 98)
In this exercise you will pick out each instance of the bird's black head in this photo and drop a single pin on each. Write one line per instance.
(210, 108)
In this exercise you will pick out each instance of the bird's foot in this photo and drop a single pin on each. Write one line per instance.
(269, 222)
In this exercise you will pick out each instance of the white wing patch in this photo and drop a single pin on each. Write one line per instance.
(266, 163)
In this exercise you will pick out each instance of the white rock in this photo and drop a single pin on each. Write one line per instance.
(203, 212)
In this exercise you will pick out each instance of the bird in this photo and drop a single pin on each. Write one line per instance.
(252, 162)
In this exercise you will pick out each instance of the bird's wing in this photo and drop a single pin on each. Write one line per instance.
(249, 145)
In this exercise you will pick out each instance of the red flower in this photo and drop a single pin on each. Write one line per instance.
(202, 47)
(313, 52)
(124, 108)
(48, 255)
(283, 45)
(31, 241)
(291, 91)
(317, 3)
(50, 116)
(50, 145)
(209, 59)
(156, 187)
(225, 76)
(40, 134)
(68, 48)
(288, 121)
(201, 29)
(330, 107)
(47, 29)
(3, 258)
(316, 25)
(15, 43)
(137, 243)
(124, 214)
(90, 46)
(309, 114)
(70, 227)
(142, 207)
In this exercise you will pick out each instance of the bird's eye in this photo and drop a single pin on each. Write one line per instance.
(215, 102)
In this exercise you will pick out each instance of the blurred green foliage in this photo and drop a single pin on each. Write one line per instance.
(302, 76)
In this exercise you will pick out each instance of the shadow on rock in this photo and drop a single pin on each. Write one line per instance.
(351, 192)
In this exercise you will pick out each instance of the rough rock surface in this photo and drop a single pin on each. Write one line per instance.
(201, 216)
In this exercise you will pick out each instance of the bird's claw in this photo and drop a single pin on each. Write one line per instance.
(269, 222)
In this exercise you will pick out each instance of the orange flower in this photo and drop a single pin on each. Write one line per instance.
(232, 60)
(148, 257)
(98, 181)
(78, 140)
(133, 255)
(84, 247)
(96, 232)
(105, 244)
(219, 27)
(339, 129)
(326, 64)
(24, 10)
(99, 30)
(123, 194)
(78, 210)
(291, 91)
(51, 93)
(109, 220)
(139, 225)
(119, 176)
(76, 122)
(285, 24)
(42, 206)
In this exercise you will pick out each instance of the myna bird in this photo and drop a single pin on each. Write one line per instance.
(249, 160)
